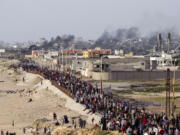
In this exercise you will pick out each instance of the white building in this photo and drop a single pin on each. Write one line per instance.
(119, 52)
(2, 51)
(51, 54)
(160, 61)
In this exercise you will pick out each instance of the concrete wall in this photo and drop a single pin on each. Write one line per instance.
(86, 73)
(143, 75)
(97, 75)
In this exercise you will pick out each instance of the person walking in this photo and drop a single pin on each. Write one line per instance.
(45, 130)
(13, 123)
(24, 130)
(48, 131)
(75, 124)
(2, 132)
(92, 120)
(54, 116)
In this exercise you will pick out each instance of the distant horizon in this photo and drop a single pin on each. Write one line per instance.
(142, 35)
(23, 21)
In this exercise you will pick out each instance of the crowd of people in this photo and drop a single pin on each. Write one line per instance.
(117, 114)
(7, 133)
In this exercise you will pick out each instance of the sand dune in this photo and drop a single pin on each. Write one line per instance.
(46, 99)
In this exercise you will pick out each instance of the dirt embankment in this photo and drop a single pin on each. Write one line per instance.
(46, 99)
(62, 130)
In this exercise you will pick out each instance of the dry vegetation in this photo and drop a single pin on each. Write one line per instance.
(156, 93)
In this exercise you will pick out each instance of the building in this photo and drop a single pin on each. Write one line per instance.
(96, 53)
(97, 66)
(86, 54)
(160, 61)
(130, 54)
(72, 51)
(28, 56)
(53, 53)
(2, 51)
(92, 68)
(36, 53)
(76, 66)
(91, 54)
(119, 52)
(127, 63)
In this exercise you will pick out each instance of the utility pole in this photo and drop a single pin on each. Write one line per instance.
(174, 78)
(58, 59)
(101, 70)
(69, 61)
(168, 90)
(66, 60)
(62, 59)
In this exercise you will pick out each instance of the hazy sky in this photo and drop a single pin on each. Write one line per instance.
(23, 20)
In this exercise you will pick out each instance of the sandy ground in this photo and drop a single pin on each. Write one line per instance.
(14, 105)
